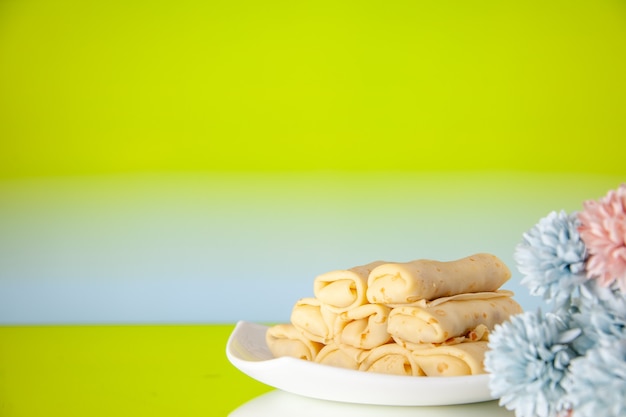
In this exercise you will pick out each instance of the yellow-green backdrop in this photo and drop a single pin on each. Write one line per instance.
(117, 86)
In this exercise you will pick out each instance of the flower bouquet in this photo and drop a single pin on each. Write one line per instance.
(570, 361)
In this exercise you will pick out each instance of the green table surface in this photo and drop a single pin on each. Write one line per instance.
(120, 370)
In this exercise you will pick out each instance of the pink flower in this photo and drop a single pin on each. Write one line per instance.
(603, 230)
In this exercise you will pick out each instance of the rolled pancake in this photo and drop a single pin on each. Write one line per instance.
(452, 360)
(342, 356)
(391, 359)
(479, 334)
(406, 282)
(364, 327)
(344, 289)
(286, 340)
(440, 322)
(314, 320)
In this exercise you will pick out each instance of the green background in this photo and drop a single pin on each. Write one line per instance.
(118, 86)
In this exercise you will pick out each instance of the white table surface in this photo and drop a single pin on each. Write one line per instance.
(279, 403)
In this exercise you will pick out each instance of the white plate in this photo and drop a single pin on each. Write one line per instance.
(247, 351)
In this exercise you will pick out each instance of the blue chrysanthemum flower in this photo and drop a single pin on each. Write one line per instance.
(528, 359)
(552, 257)
(612, 298)
(601, 314)
(596, 384)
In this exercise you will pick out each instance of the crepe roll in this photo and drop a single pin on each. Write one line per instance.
(343, 356)
(286, 340)
(479, 334)
(344, 289)
(440, 322)
(452, 360)
(406, 282)
(363, 327)
(314, 320)
(391, 359)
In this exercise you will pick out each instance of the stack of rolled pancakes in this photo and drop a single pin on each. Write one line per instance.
(420, 318)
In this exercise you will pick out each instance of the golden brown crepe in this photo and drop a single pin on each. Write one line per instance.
(342, 290)
(391, 359)
(452, 360)
(453, 318)
(406, 282)
(343, 356)
(314, 320)
(286, 340)
(479, 334)
(363, 327)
